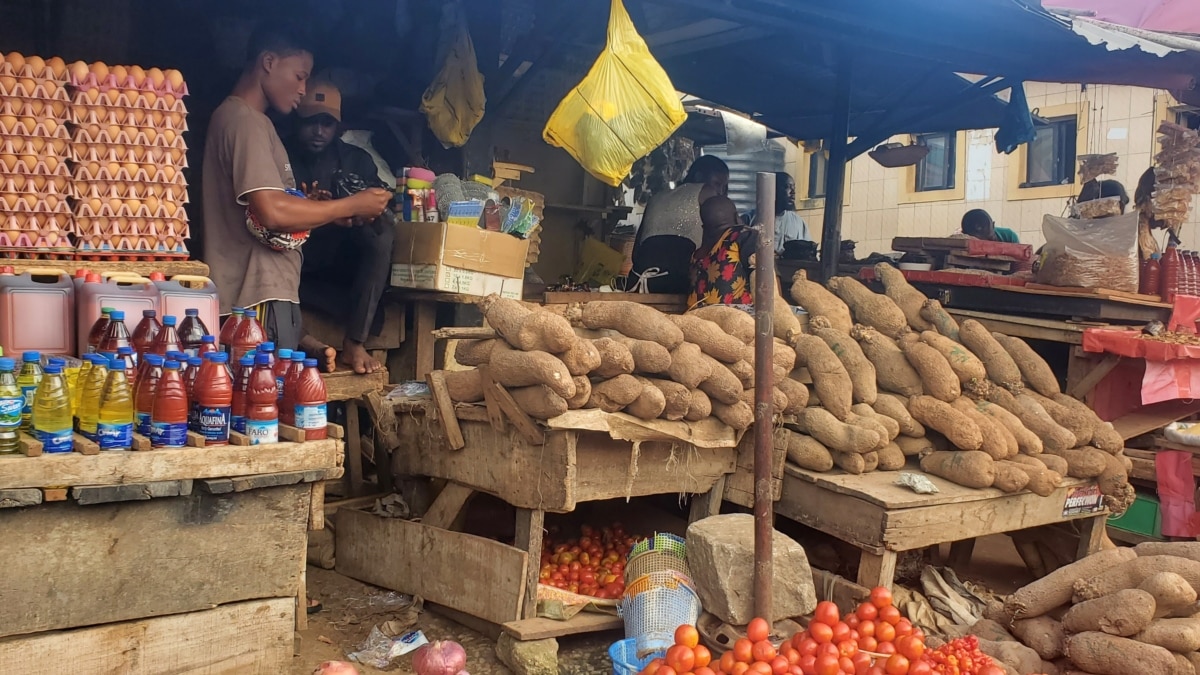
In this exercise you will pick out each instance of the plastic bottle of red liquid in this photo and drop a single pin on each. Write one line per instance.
(1170, 274)
(145, 332)
(287, 405)
(249, 335)
(213, 399)
(241, 385)
(267, 348)
(282, 364)
(143, 399)
(192, 332)
(262, 409)
(169, 413)
(309, 400)
(1151, 281)
(229, 328)
(116, 335)
(194, 363)
(167, 339)
(208, 345)
(96, 334)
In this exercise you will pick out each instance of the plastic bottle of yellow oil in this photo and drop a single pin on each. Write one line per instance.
(28, 380)
(52, 412)
(115, 426)
(11, 403)
(93, 389)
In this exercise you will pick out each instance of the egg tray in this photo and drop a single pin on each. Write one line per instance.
(148, 119)
(34, 107)
(36, 145)
(46, 127)
(21, 204)
(149, 246)
(25, 253)
(97, 189)
(117, 134)
(41, 168)
(143, 173)
(36, 240)
(27, 70)
(24, 185)
(110, 81)
(124, 98)
(36, 222)
(131, 154)
(28, 87)
(104, 227)
(86, 208)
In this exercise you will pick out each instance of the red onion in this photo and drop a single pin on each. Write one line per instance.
(444, 657)
(335, 668)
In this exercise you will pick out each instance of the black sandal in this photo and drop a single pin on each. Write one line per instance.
(314, 606)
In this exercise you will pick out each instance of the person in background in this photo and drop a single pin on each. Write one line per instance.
(979, 224)
(246, 181)
(789, 226)
(721, 267)
(346, 266)
(671, 228)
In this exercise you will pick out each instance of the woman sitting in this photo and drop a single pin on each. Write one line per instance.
(721, 265)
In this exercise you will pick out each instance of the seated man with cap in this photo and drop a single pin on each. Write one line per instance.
(347, 266)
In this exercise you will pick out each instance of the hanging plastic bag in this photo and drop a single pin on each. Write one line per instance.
(454, 103)
(1097, 253)
(624, 108)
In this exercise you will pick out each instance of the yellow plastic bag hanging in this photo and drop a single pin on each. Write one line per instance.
(453, 104)
(624, 108)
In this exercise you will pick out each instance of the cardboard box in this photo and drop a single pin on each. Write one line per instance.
(458, 259)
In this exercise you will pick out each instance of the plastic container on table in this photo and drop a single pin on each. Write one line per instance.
(29, 379)
(625, 660)
(282, 365)
(241, 385)
(1170, 274)
(143, 397)
(116, 334)
(114, 429)
(248, 336)
(96, 332)
(52, 412)
(88, 413)
(167, 340)
(208, 345)
(146, 331)
(189, 376)
(185, 291)
(287, 405)
(192, 332)
(127, 357)
(262, 409)
(229, 329)
(129, 293)
(169, 413)
(309, 399)
(213, 399)
(12, 401)
(37, 309)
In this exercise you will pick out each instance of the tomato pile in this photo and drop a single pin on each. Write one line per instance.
(874, 639)
(592, 564)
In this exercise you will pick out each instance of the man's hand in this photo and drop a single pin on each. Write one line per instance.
(368, 204)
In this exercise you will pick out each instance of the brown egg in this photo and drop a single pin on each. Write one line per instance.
(112, 97)
(58, 67)
(138, 75)
(153, 203)
(10, 200)
(51, 162)
(15, 60)
(95, 204)
(51, 201)
(28, 124)
(132, 168)
(169, 172)
(58, 108)
(172, 208)
(60, 182)
(9, 162)
(138, 114)
(30, 162)
(115, 204)
(176, 120)
(30, 201)
(134, 205)
(79, 71)
(175, 79)
(18, 182)
(51, 125)
(8, 123)
(7, 84)
(156, 117)
(156, 77)
(27, 85)
(100, 70)
(121, 73)
(170, 135)
(176, 155)
(148, 99)
(37, 65)
(92, 95)
(35, 106)
(114, 132)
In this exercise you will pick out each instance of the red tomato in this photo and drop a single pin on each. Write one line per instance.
(881, 597)
(991, 670)
(758, 630)
(868, 644)
(760, 667)
(847, 648)
(876, 670)
(889, 614)
(822, 633)
(866, 629)
(827, 665)
(910, 647)
(920, 668)
(826, 613)
(742, 651)
(789, 652)
(727, 661)
(896, 664)
(885, 648)
(652, 667)
(828, 649)
(808, 664)
(867, 612)
(807, 647)
(764, 651)
(780, 666)
(861, 662)
(740, 668)
(666, 670)
(703, 656)
(904, 627)
(851, 620)
(705, 670)
(687, 635)
(840, 632)
(885, 632)
(681, 658)
(846, 665)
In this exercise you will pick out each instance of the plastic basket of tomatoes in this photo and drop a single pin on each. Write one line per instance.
(652, 616)
(589, 568)
(654, 561)
(625, 659)
(684, 655)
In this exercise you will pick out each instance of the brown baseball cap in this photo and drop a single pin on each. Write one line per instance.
(321, 98)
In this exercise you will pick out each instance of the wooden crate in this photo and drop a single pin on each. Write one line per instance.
(739, 485)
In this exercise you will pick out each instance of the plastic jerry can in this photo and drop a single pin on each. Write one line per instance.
(37, 309)
(129, 293)
(185, 291)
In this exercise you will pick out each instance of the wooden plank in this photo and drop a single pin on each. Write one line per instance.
(346, 385)
(1107, 296)
(1143, 467)
(244, 637)
(1028, 328)
(845, 593)
(1100, 292)
(336, 431)
(1091, 535)
(1098, 372)
(494, 415)
(424, 321)
(449, 503)
(117, 467)
(105, 494)
(353, 478)
(960, 554)
(568, 297)
(1153, 417)
(522, 421)
(300, 609)
(530, 526)
(30, 446)
(465, 333)
(877, 569)
(54, 494)
(141, 443)
(708, 504)
(481, 577)
(170, 268)
(21, 497)
(159, 557)
(85, 446)
(316, 507)
(542, 629)
(607, 468)
(238, 438)
(436, 380)
(291, 434)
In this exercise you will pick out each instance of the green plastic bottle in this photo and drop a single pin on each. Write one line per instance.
(115, 427)
(28, 380)
(52, 412)
(93, 389)
(12, 401)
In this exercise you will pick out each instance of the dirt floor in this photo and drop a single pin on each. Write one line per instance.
(351, 609)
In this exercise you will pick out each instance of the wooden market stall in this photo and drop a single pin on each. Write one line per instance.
(189, 559)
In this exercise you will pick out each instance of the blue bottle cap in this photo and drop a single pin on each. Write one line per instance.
(171, 364)
(7, 365)
(149, 313)
(168, 320)
(247, 359)
(125, 351)
(252, 313)
(116, 364)
(310, 363)
(53, 370)
(285, 354)
(117, 315)
(176, 355)
(155, 360)
(32, 357)
(195, 361)
(299, 356)
(56, 361)
(191, 312)
(209, 339)
(109, 355)
(266, 347)
(239, 310)
(217, 357)
(263, 359)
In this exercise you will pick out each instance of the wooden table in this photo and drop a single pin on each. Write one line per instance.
(169, 268)
(882, 519)
(1016, 301)
(488, 579)
(181, 560)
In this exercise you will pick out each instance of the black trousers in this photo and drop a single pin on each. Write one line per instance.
(345, 272)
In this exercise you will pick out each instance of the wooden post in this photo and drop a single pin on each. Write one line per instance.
(835, 172)
(352, 480)
(530, 523)
(424, 321)
(764, 384)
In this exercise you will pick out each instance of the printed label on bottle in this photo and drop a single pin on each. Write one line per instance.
(237, 423)
(279, 389)
(262, 431)
(311, 417)
(90, 435)
(29, 393)
(115, 436)
(56, 441)
(143, 423)
(168, 434)
(213, 423)
(10, 411)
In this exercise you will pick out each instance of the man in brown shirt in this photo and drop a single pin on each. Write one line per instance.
(247, 173)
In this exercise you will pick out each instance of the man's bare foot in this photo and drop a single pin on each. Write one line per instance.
(325, 355)
(355, 356)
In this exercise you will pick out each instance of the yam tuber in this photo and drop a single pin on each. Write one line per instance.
(582, 358)
(838, 435)
(1027, 441)
(1010, 477)
(744, 371)
(1177, 635)
(1043, 634)
(870, 424)
(893, 372)
(505, 316)
(633, 320)
(711, 339)
(858, 367)
(513, 368)
(1183, 549)
(1078, 422)
(1104, 654)
(890, 426)
(783, 319)
(1132, 573)
(731, 320)
(850, 462)
(1055, 589)
(818, 301)
(615, 359)
(830, 379)
(944, 419)
(464, 386)
(700, 406)
(613, 395)
(649, 404)
(908, 299)
(1015, 656)
(1001, 367)
(1034, 370)
(583, 392)
(539, 401)
(965, 364)
(997, 442)
(969, 468)
(547, 332)
(870, 461)
(688, 367)
(648, 357)
(938, 377)
(894, 407)
(807, 452)
(796, 393)
(721, 384)
(473, 352)
(676, 397)
(1123, 613)
(933, 312)
(1042, 481)
(1054, 463)
(912, 447)
(1170, 591)
(891, 458)
(870, 308)
(1107, 438)
(1085, 462)
(739, 415)
(1035, 418)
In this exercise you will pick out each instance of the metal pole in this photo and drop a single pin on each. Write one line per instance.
(835, 173)
(764, 384)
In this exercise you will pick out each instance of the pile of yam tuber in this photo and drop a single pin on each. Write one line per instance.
(875, 378)
(1122, 611)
